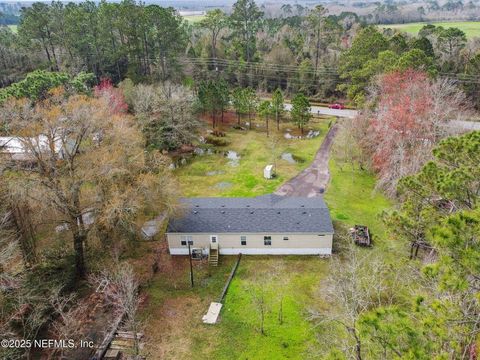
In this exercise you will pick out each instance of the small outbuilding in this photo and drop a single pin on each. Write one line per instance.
(268, 172)
(22, 149)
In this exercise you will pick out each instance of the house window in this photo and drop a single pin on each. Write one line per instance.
(243, 240)
(185, 238)
(267, 240)
(285, 238)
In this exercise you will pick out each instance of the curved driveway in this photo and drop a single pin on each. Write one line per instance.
(313, 180)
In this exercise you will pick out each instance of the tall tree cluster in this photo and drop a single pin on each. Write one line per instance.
(390, 307)
(81, 172)
(166, 114)
(439, 207)
(112, 40)
(412, 114)
(302, 50)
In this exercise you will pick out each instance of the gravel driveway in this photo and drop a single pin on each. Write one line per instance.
(313, 180)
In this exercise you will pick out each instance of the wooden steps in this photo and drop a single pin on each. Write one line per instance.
(213, 257)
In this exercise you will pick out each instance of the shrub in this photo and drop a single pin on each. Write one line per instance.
(216, 141)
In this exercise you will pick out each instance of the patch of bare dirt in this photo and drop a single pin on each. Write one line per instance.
(168, 334)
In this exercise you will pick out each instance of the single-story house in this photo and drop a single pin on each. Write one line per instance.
(263, 225)
(20, 149)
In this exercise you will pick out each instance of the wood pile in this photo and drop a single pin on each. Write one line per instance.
(361, 235)
(122, 344)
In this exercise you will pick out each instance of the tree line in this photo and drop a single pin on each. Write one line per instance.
(215, 98)
(422, 306)
(302, 50)
(81, 185)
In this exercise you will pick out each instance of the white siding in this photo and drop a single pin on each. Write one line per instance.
(276, 251)
(258, 251)
(230, 244)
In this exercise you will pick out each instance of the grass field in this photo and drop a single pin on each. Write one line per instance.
(352, 199)
(255, 151)
(290, 281)
(174, 310)
(14, 28)
(192, 19)
(471, 28)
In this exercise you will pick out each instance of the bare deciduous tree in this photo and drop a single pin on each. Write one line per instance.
(121, 289)
(357, 282)
(257, 291)
(69, 323)
(412, 113)
(347, 143)
(166, 115)
(88, 165)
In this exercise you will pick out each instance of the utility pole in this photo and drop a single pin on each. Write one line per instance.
(191, 266)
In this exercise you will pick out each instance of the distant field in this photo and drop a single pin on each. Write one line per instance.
(471, 28)
(193, 18)
(13, 28)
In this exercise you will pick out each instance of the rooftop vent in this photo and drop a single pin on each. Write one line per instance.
(302, 205)
(304, 213)
(197, 205)
(278, 212)
(195, 212)
(248, 205)
(223, 205)
(251, 212)
(223, 211)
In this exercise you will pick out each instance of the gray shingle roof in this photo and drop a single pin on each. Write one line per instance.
(268, 213)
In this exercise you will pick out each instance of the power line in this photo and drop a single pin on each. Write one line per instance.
(260, 67)
(251, 63)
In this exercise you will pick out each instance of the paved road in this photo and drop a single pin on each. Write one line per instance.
(459, 124)
(466, 125)
(321, 110)
(313, 180)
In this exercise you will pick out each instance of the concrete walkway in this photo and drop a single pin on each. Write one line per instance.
(313, 180)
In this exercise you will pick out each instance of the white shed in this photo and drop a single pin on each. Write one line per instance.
(268, 172)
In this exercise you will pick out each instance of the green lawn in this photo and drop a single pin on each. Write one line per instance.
(471, 28)
(255, 150)
(352, 199)
(293, 281)
(174, 310)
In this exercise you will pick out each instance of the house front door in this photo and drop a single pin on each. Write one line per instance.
(213, 241)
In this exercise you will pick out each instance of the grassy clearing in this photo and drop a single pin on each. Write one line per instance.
(352, 199)
(14, 28)
(255, 150)
(175, 330)
(471, 28)
(192, 19)
(174, 310)
(290, 280)
(177, 310)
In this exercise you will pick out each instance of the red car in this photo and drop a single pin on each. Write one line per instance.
(336, 106)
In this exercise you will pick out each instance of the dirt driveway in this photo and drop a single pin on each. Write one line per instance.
(313, 180)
